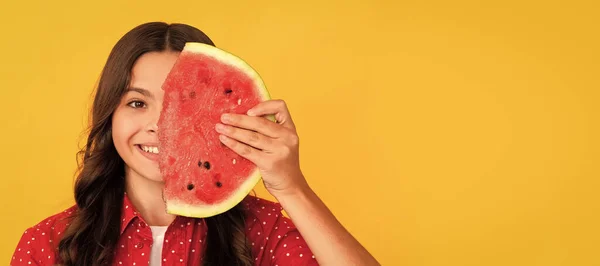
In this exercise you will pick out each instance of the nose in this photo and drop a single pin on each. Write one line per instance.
(152, 118)
(152, 127)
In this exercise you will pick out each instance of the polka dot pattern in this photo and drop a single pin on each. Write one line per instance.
(275, 240)
(38, 244)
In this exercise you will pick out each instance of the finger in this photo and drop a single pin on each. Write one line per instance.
(258, 124)
(242, 149)
(252, 138)
(274, 107)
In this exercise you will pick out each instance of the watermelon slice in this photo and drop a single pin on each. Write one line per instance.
(202, 176)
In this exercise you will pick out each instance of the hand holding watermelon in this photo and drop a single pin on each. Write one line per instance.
(273, 147)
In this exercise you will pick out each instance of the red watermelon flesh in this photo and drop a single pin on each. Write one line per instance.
(202, 176)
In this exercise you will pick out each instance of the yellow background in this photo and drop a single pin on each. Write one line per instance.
(439, 133)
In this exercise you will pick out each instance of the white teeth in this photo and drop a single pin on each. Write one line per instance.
(150, 149)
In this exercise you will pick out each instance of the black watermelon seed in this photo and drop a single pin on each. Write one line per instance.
(207, 165)
(228, 91)
(219, 184)
(193, 94)
(190, 186)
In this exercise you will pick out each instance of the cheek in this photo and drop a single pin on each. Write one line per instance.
(123, 128)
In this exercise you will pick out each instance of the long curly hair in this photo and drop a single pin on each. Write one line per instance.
(93, 231)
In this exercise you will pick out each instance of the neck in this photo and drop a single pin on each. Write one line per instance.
(146, 197)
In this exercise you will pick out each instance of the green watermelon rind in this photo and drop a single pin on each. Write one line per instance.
(173, 206)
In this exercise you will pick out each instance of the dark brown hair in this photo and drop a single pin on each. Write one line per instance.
(94, 229)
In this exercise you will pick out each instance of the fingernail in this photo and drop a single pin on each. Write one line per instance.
(250, 112)
(222, 138)
(219, 127)
(225, 117)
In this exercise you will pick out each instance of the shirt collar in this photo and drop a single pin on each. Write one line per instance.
(128, 213)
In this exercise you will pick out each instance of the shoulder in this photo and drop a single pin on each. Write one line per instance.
(261, 207)
(274, 237)
(262, 216)
(39, 243)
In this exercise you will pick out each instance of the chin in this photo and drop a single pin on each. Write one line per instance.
(158, 178)
(154, 176)
(150, 171)
(147, 172)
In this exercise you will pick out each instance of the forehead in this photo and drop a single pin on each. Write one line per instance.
(151, 69)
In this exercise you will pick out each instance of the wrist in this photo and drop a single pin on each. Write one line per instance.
(297, 192)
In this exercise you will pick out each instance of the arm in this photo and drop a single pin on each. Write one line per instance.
(329, 241)
(273, 147)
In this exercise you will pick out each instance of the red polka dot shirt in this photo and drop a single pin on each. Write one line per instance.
(274, 239)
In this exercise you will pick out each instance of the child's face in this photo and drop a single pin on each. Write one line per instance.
(134, 129)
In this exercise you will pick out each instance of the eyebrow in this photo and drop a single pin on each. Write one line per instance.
(141, 91)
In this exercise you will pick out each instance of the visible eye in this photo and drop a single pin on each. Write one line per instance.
(137, 104)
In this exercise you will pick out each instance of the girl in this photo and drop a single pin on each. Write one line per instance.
(119, 216)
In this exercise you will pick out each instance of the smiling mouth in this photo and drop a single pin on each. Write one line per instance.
(148, 149)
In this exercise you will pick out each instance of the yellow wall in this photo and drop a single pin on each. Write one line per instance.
(440, 133)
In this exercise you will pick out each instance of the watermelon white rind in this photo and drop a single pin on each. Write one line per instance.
(201, 211)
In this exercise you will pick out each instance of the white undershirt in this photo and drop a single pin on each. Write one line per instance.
(158, 236)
